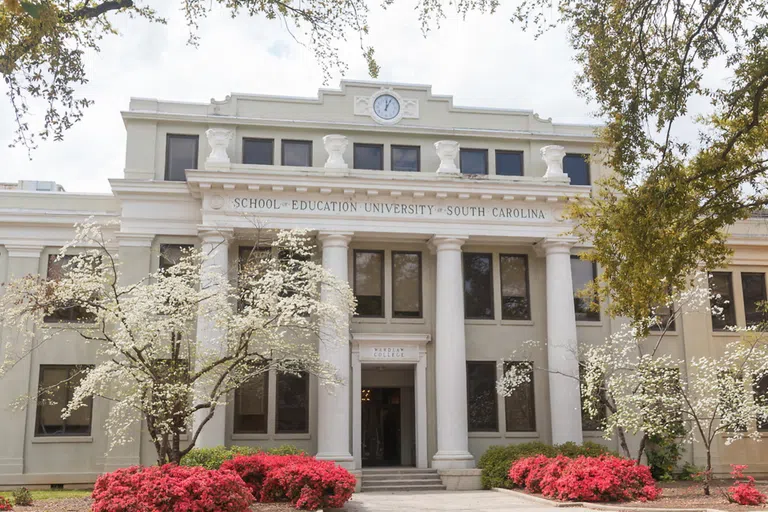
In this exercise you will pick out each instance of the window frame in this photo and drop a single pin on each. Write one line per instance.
(161, 257)
(527, 286)
(307, 414)
(732, 309)
(474, 150)
(368, 145)
(761, 426)
(585, 156)
(510, 152)
(492, 365)
(744, 297)
(295, 141)
(383, 280)
(51, 319)
(258, 139)
(532, 405)
(421, 283)
(598, 313)
(492, 291)
(39, 405)
(168, 137)
(392, 148)
(235, 429)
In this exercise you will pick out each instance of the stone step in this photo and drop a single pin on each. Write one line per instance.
(399, 471)
(404, 481)
(402, 488)
(400, 476)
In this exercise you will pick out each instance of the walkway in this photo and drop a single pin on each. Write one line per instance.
(461, 501)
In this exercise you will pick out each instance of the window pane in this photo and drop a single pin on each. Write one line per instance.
(56, 388)
(509, 163)
(577, 168)
(519, 406)
(483, 413)
(70, 312)
(478, 286)
(406, 158)
(369, 275)
(258, 151)
(474, 161)
(369, 156)
(588, 422)
(721, 301)
(292, 403)
(181, 154)
(406, 284)
(583, 272)
(761, 391)
(171, 254)
(297, 153)
(663, 320)
(753, 286)
(515, 304)
(251, 400)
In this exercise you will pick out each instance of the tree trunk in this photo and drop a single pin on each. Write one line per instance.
(642, 447)
(623, 443)
(708, 472)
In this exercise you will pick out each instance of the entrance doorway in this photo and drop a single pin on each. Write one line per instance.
(381, 426)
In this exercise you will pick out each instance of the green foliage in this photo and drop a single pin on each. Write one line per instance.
(22, 497)
(663, 454)
(213, 458)
(690, 472)
(495, 462)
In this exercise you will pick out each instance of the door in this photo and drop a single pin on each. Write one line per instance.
(381, 426)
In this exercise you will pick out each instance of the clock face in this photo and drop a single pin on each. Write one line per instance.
(386, 107)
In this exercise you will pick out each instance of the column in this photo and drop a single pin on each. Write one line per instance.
(357, 412)
(562, 343)
(420, 382)
(215, 243)
(333, 413)
(22, 260)
(450, 358)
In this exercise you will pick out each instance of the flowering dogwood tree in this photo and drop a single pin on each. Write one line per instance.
(149, 365)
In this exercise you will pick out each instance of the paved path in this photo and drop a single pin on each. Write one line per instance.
(460, 501)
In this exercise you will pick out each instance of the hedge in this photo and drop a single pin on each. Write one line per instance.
(213, 458)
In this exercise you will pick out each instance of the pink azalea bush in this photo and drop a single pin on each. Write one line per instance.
(744, 493)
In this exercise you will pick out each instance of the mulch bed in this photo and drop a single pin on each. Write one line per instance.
(691, 495)
(84, 505)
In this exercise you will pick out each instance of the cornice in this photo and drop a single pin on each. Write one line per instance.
(10, 217)
(149, 189)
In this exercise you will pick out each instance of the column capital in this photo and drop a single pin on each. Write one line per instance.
(335, 238)
(447, 242)
(555, 245)
(216, 235)
(23, 250)
(135, 239)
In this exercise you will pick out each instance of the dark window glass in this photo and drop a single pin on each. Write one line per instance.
(258, 151)
(753, 287)
(661, 388)
(70, 312)
(721, 301)
(292, 403)
(519, 406)
(509, 163)
(582, 273)
(57, 384)
(515, 301)
(473, 161)
(406, 158)
(180, 155)
(577, 168)
(761, 395)
(171, 254)
(368, 156)
(251, 400)
(588, 422)
(730, 385)
(478, 286)
(369, 283)
(664, 320)
(297, 153)
(250, 265)
(482, 409)
(406, 284)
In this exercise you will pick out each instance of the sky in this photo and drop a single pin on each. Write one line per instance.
(483, 60)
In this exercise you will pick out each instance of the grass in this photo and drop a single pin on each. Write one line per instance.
(50, 494)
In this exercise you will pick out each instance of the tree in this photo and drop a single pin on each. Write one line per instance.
(43, 42)
(149, 365)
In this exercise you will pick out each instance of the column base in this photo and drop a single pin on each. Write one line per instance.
(453, 460)
(344, 460)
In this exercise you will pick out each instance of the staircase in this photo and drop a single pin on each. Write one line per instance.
(401, 479)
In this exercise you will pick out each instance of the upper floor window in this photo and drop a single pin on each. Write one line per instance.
(297, 153)
(482, 409)
(180, 155)
(663, 319)
(721, 300)
(761, 392)
(515, 299)
(258, 151)
(478, 285)
(292, 403)
(57, 384)
(589, 422)
(753, 289)
(71, 312)
(583, 272)
(368, 156)
(509, 163)
(406, 158)
(369, 283)
(577, 168)
(473, 161)
(406, 284)
(251, 400)
(171, 254)
(519, 406)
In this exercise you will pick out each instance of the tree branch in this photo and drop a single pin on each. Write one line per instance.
(86, 12)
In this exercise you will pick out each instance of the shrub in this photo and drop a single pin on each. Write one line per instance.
(170, 488)
(519, 471)
(744, 493)
(253, 469)
(5, 504)
(22, 497)
(213, 458)
(310, 484)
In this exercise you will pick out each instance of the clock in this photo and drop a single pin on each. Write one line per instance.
(386, 107)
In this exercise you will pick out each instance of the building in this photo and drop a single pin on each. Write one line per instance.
(447, 223)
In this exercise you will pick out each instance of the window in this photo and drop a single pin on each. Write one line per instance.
(515, 301)
(721, 301)
(369, 283)
(57, 385)
(251, 400)
(297, 153)
(171, 254)
(519, 406)
(753, 288)
(473, 161)
(258, 151)
(583, 272)
(664, 320)
(761, 392)
(292, 403)
(406, 158)
(72, 312)
(588, 422)
(478, 286)
(250, 265)
(406, 284)
(368, 156)
(509, 163)
(180, 155)
(577, 168)
(482, 409)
